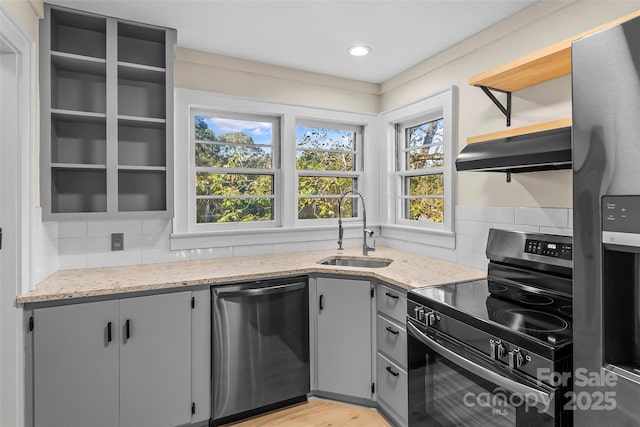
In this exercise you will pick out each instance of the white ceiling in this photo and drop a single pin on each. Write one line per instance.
(314, 35)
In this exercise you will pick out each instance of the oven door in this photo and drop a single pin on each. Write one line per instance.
(451, 384)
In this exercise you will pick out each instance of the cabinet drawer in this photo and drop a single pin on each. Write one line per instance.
(392, 340)
(393, 303)
(392, 386)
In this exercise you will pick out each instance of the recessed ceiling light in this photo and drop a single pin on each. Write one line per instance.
(359, 50)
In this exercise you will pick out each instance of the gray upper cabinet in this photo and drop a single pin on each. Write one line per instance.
(344, 337)
(106, 89)
(128, 363)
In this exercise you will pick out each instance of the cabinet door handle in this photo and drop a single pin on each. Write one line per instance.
(321, 302)
(390, 295)
(109, 337)
(395, 374)
(127, 329)
(391, 330)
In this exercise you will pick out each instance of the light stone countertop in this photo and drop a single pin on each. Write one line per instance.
(408, 270)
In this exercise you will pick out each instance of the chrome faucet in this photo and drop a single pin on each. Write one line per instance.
(365, 231)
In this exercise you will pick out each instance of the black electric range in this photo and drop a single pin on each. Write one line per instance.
(512, 330)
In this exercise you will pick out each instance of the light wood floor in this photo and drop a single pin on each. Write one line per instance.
(318, 412)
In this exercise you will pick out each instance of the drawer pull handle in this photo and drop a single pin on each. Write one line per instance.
(321, 302)
(109, 337)
(390, 295)
(395, 374)
(127, 327)
(391, 330)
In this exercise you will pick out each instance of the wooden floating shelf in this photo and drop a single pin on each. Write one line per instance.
(556, 124)
(542, 65)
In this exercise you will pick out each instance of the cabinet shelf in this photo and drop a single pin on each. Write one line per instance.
(78, 140)
(133, 168)
(75, 190)
(148, 68)
(79, 63)
(78, 33)
(78, 84)
(141, 45)
(107, 114)
(85, 116)
(77, 166)
(141, 190)
(142, 121)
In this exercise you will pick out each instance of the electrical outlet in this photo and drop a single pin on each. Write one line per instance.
(117, 241)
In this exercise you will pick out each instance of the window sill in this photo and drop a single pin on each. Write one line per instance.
(431, 237)
(261, 236)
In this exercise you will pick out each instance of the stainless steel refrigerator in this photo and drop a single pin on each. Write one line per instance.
(606, 222)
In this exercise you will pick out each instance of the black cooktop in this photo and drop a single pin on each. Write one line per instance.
(531, 316)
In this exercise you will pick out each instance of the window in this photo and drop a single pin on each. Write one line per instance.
(423, 137)
(235, 158)
(328, 163)
(421, 170)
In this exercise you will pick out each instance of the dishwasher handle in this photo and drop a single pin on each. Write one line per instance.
(256, 292)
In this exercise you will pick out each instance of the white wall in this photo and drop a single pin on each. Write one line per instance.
(85, 244)
(534, 28)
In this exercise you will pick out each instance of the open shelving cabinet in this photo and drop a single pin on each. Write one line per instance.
(537, 67)
(106, 117)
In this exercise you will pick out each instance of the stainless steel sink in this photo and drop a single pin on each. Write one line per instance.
(357, 262)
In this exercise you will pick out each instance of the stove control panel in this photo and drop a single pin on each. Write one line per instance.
(550, 249)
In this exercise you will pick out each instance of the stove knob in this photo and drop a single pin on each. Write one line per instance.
(516, 359)
(419, 313)
(497, 349)
(432, 319)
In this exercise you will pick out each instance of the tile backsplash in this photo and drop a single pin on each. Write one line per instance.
(86, 244)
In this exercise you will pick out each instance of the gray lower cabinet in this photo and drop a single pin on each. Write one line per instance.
(391, 364)
(76, 381)
(344, 337)
(121, 363)
(155, 360)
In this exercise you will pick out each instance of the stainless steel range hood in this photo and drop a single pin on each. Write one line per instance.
(538, 151)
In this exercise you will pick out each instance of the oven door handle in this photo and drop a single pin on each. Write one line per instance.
(541, 399)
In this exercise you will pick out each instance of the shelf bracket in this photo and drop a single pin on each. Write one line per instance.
(506, 110)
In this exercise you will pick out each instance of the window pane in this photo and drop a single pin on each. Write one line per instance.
(314, 160)
(230, 156)
(324, 139)
(209, 128)
(325, 185)
(426, 185)
(431, 210)
(426, 157)
(234, 210)
(232, 184)
(313, 208)
(425, 134)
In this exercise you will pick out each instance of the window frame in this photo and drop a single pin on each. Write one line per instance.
(274, 171)
(404, 172)
(439, 105)
(357, 173)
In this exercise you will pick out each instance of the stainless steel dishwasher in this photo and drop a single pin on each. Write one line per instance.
(260, 347)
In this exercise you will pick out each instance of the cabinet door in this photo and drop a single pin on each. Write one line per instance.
(76, 366)
(344, 337)
(155, 360)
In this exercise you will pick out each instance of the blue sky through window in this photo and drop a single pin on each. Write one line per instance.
(333, 139)
(260, 132)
